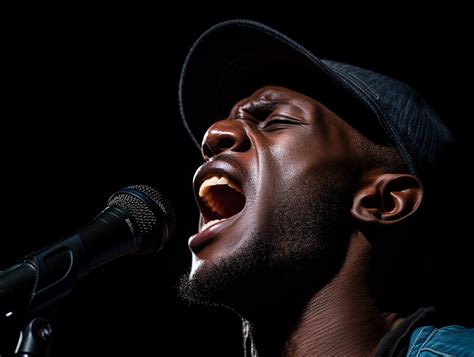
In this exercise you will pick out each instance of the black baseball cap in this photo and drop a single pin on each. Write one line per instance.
(234, 58)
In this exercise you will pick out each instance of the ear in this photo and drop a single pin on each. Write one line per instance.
(387, 199)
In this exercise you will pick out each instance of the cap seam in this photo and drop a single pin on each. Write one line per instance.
(361, 85)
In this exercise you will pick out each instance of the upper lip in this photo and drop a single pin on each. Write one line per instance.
(225, 167)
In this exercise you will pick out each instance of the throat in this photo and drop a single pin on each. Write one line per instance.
(339, 319)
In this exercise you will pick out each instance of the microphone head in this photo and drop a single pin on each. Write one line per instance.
(152, 213)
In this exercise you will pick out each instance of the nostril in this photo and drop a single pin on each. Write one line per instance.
(207, 152)
(226, 143)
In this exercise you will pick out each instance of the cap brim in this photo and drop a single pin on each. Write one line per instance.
(235, 58)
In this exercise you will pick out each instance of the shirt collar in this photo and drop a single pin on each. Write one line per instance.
(395, 343)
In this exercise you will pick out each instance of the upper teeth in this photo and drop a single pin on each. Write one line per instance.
(213, 181)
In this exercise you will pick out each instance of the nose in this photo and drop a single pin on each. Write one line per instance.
(225, 135)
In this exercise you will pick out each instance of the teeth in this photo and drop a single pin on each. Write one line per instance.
(211, 223)
(214, 181)
(206, 184)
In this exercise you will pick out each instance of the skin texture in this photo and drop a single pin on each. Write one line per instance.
(294, 262)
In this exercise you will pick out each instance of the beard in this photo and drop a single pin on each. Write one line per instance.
(291, 254)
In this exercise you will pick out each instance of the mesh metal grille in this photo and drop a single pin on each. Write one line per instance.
(161, 201)
(145, 212)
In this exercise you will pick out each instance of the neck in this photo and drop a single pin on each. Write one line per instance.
(340, 319)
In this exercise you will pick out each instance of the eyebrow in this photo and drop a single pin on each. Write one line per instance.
(259, 106)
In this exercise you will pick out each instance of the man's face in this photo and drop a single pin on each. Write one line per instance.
(274, 195)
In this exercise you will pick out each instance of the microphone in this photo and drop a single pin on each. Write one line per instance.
(137, 220)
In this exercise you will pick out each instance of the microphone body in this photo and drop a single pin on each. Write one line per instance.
(138, 220)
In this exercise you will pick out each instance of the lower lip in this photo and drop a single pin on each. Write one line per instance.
(202, 239)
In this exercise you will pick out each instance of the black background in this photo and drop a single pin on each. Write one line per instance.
(91, 106)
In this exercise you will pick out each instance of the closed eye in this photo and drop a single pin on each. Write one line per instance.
(279, 123)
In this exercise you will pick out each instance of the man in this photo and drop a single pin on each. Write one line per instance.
(315, 181)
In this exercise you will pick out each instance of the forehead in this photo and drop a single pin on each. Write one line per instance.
(270, 98)
(276, 94)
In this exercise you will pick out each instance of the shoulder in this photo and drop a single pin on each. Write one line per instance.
(451, 340)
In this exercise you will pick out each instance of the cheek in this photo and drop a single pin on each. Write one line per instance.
(295, 158)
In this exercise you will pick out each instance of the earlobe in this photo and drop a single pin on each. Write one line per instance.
(387, 199)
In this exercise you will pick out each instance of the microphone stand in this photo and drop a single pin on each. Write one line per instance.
(35, 340)
(17, 290)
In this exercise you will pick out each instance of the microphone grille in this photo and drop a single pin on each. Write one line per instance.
(149, 208)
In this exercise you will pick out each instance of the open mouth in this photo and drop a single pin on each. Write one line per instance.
(220, 198)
